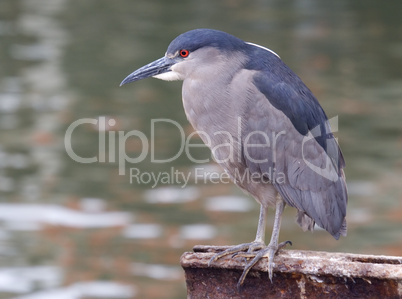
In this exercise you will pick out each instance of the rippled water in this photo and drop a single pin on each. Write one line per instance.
(78, 230)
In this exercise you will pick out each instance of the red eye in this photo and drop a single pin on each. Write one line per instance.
(184, 53)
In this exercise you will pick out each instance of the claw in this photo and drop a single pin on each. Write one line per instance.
(268, 252)
(255, 251)
(235, 250)
(248, 267)
(283, 244)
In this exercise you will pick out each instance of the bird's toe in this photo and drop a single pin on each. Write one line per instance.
(254, 251)
(240, 249)
(268, 252)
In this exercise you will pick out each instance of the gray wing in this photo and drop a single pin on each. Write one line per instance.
(303, 157)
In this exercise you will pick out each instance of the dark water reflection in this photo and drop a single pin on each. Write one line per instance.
(74, 230)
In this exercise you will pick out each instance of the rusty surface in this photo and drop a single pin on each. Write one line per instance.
(297, 274)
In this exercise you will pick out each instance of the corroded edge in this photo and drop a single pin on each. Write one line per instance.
(306, 262)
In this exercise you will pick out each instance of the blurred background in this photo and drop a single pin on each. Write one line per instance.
(72, 230)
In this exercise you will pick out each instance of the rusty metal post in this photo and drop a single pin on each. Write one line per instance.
(297, 274)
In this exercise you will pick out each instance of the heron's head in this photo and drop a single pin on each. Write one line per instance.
(200, 50)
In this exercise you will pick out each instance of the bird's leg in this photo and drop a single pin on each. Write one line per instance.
(251, 247)
(262, 223)
(268, 251)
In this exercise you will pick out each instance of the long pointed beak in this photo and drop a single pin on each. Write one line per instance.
(160, 66)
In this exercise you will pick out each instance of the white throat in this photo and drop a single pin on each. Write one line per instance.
(169, 76)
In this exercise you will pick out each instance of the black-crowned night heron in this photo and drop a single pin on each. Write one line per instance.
(283, 153)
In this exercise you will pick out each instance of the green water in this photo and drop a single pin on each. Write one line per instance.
(64, 222)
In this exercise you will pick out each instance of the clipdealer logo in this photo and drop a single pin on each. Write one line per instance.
(108, 152)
